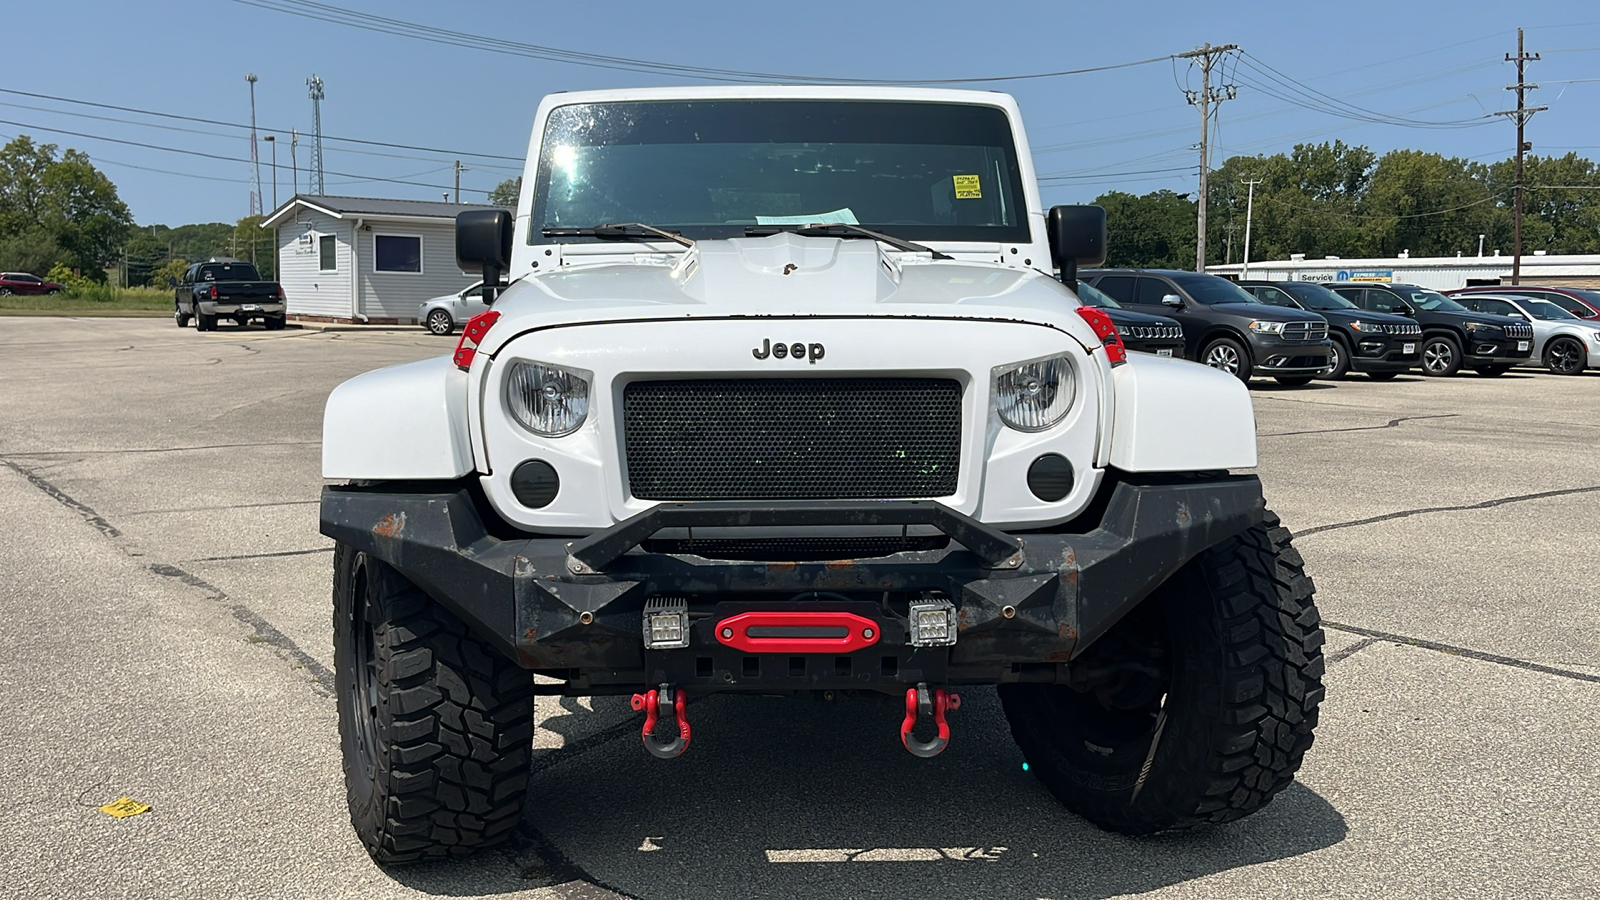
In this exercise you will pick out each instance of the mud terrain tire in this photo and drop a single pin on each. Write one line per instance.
(1233, 643)
(436, 727)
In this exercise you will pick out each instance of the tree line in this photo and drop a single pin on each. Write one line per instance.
(1333, 199)
(61, 217)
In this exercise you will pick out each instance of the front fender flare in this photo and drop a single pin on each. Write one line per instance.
(400, 423)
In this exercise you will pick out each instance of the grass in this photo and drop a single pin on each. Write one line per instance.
(92, 300)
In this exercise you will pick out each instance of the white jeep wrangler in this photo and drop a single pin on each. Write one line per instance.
(779, 394)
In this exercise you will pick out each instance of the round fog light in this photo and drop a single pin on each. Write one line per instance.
(534, 484)
(1050, 477)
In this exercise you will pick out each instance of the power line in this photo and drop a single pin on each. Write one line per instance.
(401, 28)
(202, 154)
(1204, 98)
(181, 118)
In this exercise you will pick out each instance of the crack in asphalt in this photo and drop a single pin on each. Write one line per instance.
(1349, 651)
(184, 509)
(1393, 423)
(1453, 650)
(160, 449)
(264, 631)
(262, 555)
(65, 499)
(1486, 504)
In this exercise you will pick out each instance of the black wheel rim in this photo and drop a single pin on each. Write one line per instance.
(1564, 357)
(364, 686)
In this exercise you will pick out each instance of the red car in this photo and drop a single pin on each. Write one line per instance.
(23, 283)
(1581, 302)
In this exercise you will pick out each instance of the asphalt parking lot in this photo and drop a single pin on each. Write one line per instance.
(164, 625)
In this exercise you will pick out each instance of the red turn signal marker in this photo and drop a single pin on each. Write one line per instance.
(1106, 331)
(472, 336)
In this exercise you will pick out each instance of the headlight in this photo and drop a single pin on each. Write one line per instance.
(1368, 327)
(1122, 330)
(547, 400)
(1485, 327)
(1267, 327)
(1036, 395)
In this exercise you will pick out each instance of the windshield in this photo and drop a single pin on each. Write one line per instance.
(1209, 289)
(1315, 296)
(1546, 311)
(227, 272)
(1422, 298)
(710, 169)
(1093, 296)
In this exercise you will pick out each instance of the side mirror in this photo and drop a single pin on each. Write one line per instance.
(483, 244)
(1172, 300)
(1517, 315)
(172, 282)
(1077, 236)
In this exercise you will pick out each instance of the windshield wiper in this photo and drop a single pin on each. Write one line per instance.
(619, 231)
(841, 229)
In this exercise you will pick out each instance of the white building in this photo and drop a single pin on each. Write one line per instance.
(1441, 273)
(359, 259)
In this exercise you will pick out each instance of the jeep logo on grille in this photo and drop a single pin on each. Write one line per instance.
(780, 350)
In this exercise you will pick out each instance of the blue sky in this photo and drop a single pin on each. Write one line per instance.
(1128, 129)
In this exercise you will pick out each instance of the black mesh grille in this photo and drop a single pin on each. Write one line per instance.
(792, 438)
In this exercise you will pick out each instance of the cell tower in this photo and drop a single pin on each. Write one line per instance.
(315, 84)
(255, 161)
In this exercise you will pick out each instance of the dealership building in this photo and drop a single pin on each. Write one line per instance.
(1441, 273)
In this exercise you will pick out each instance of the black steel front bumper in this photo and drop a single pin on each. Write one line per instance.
(573, 608)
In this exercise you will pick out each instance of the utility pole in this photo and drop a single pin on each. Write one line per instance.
(255, 160)
(459, 169)
(1520, 115)
(1205, 98)
(314, 84)
(273, 140)
(1249, 211)
(294, 157)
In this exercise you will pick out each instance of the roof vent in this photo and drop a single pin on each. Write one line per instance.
(1297, 257)
(1540, 252)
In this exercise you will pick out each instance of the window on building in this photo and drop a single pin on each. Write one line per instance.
(328, 248)
(397, 253)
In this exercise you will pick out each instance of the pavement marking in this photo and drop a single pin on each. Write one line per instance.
(1453, 650)
(124, 807)
(886, 854)
(1393, 423)
(1486, 504)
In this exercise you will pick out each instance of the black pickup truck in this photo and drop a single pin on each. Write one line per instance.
(222, 288)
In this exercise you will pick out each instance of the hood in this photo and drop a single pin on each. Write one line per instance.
(1486, 318)
(1266, 312)
(783, 276)
(1351, 315)
(1129, 317)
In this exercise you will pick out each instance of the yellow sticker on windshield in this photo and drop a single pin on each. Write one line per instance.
(968, 188)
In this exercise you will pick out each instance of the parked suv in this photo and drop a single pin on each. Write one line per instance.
(23, 283)
(1562, 342)
(1380, 344)
(1452, 335)
(1160, 335)
(1223, 326)
(1581, 302)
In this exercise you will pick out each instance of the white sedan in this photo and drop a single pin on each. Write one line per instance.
(441, 314)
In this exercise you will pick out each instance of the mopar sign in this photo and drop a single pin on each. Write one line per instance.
(1366, 275)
